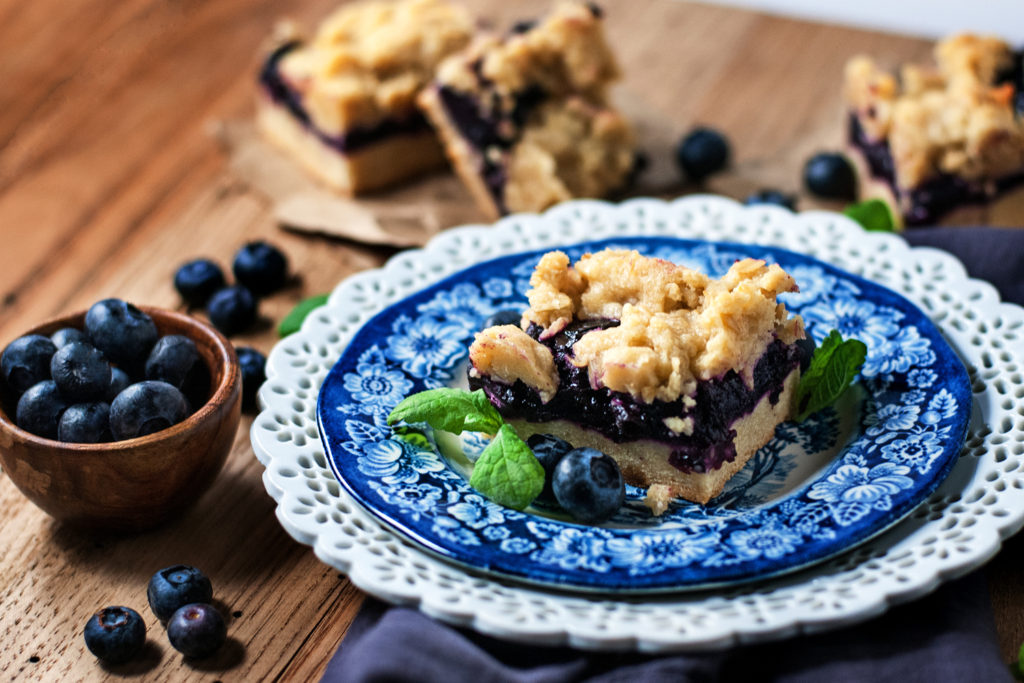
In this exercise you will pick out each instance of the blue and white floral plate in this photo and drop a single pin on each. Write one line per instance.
(955, 529)
(819, 488)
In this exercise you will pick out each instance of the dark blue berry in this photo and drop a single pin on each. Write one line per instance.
(121, 331)
(174, 587)
(806, 346)
(232, 310)
(172, 359)
(774, 197)
(115, 634)
(260, 267)
(26, 362)
(66, 335)
(146, 407)
(119, 381)
(831, 176)
(40, 408)
(197, 280)
(509, 316)
(81, 372)
(588, 485)
(254, 372)
(549, 450)
(196, 630)
(702, 152)
(85, 423)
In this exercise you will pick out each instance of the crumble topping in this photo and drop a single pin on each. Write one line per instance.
(951, 118)
(658, 498)
(676, 325)
(369, 60)
(506, 353)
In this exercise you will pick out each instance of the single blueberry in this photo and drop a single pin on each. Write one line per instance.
(85, 423)
(702, 152)
(588, 485)
(196, 630)
(115, 634)
(831, 176)
(174, 587)
(549, 450)
(260, 267)
(66, 335)
(119, 381)
(173, 357)
(80, 371)
(254, 372)
(807, 347)
(39, 409)
(197, 280)
(232, 309)
(26, 361)
(146, 407)
(774, 197)
(121, 331)
(509, 316)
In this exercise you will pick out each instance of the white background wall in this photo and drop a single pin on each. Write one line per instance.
(930, 18)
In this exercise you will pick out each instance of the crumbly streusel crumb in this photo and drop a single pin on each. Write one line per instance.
(658, 498)
(676, 325)
(950, 118)
(507, 354)
(369, 60)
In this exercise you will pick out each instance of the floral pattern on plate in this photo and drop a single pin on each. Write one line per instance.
(818, 488)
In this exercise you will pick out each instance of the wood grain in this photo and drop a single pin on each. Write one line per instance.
(109, 179)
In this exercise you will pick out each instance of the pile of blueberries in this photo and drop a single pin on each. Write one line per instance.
(180, 597)
(584, 482)
(705, 151)
(115, 379)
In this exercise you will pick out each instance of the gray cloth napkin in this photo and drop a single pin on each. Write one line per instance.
(947, 636)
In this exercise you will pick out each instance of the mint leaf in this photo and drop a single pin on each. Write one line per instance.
(293, 321)
(508, 472)
(452, 410)
(833, 367)
(872, 214)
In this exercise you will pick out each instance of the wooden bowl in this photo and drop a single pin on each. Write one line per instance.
(137, 483)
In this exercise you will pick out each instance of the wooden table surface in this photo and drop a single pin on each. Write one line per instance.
(109, 179)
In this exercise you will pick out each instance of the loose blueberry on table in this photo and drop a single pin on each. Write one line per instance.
(703, 152)
(253, 365)
(232, 310)
(260, 267)
(831, 176)
(773, 197)
(196, 630)
(173, 587)
(115, 634)
(197, 280)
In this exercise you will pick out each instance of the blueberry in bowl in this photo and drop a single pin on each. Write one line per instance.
(137, 482)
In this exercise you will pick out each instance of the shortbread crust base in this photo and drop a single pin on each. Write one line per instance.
(1004, 211)
(645, 463)
(372, 167)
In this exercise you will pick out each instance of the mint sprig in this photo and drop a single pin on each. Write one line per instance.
(508, 472)
(873, 214)
(833, 368)
(293, 321)
(452, 410)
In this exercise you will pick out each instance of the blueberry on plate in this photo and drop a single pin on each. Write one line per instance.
(549, 450)
(197, 630)
(119, 381)
(174, 587)
(773, 197)
(85, 423)
(121, 331)
(66, 335)
(702, 152)
(509, 316)
(831, 176)
(254, 373)
(39, 409)
(26, 361)
(807, 347)
(197, 280)
(146, 407)
(172, 359)
(80, 371)
(260, 267)
(588, 485)
(115, 634)
(232, 309)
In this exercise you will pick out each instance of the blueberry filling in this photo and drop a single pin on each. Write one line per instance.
(621, 418)
(355, 138)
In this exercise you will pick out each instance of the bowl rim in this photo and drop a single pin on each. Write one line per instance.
(225, 352)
